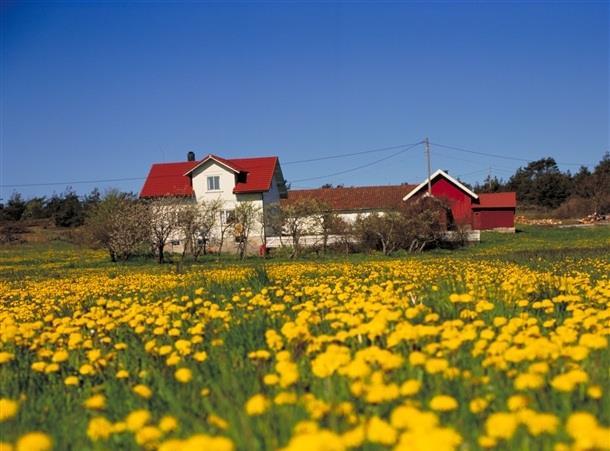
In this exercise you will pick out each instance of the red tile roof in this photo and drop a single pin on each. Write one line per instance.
(354, 198)
(260, 174)
(496, 200)
(169, 179)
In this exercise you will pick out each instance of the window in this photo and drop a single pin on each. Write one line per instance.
(214, 183)
(227, 216)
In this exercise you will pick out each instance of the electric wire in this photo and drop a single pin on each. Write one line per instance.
(357, 168)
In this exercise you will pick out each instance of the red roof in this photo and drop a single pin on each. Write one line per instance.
(354, 198)
(496, 200)
(259, 174)
(169, 179)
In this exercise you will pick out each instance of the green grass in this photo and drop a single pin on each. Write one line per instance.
(527, 246)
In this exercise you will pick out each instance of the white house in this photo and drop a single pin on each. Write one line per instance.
(257, 180)
(260, 181)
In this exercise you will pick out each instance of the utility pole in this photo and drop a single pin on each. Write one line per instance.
(489, 179)
(427, 150)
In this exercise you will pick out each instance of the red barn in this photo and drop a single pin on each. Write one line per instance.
(479, 211)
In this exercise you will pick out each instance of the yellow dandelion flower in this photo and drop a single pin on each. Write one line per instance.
(34, 441)
(443, 403)
(8, 409)
(71, 380)
(99, 428)
(168, 423)
(96, 402)
(183, 375)
(143, 391)
(137, 419)
(257, 405)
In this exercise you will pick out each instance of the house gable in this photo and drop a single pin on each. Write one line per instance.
(212, 168)
(220, 161)
(434, 178)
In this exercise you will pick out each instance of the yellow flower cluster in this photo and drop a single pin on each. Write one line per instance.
(421, 354)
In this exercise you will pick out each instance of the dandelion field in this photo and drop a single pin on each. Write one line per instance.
(504, 346)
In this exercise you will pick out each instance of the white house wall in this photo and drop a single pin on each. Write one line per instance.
(227, 183)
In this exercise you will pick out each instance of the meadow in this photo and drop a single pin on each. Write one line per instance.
(499, 346)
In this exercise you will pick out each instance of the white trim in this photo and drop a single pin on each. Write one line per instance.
(211, 157)
(432, 177)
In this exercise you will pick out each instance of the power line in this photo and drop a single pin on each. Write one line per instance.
(403, 147)
(477, 162)
(330, 157)
(77, 182)
(357, 168)
(461, 149)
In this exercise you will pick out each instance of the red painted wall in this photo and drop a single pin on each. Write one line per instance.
(492, 218)
(459, 201)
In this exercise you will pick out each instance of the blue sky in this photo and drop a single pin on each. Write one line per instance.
(102, 90)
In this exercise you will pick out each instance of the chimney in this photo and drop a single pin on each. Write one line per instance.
(190, 156)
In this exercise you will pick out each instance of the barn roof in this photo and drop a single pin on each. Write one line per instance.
(440, 173)
(354, 198)
(173, 179)
(496, 200)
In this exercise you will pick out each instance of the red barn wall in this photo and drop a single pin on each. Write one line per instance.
(494, 218)
(459, 201)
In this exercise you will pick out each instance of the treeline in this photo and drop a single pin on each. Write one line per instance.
(66, 209)
(542, 185)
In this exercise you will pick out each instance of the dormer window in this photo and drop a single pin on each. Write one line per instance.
(214, 183)
(241, 177)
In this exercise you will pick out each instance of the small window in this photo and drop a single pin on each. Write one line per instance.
(214, 183)
(228, 216)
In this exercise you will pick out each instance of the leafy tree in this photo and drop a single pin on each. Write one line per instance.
(66, 209)
(91, 199)
(601, 185)
(490, 185)
(541, 183)
(14, 208)
(36, 208)
(582, 183)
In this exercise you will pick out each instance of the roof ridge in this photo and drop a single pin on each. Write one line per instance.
(356, 187)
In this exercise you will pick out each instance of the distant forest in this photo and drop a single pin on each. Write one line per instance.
(540, 185)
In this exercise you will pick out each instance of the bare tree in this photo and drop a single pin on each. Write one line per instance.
(247, 215)
(297, 219)
(164, 220)
(330, 224)
(344, 231)
(425, 220)
(196, 222)
(226, 221)
(383, 229)
(118, 223)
